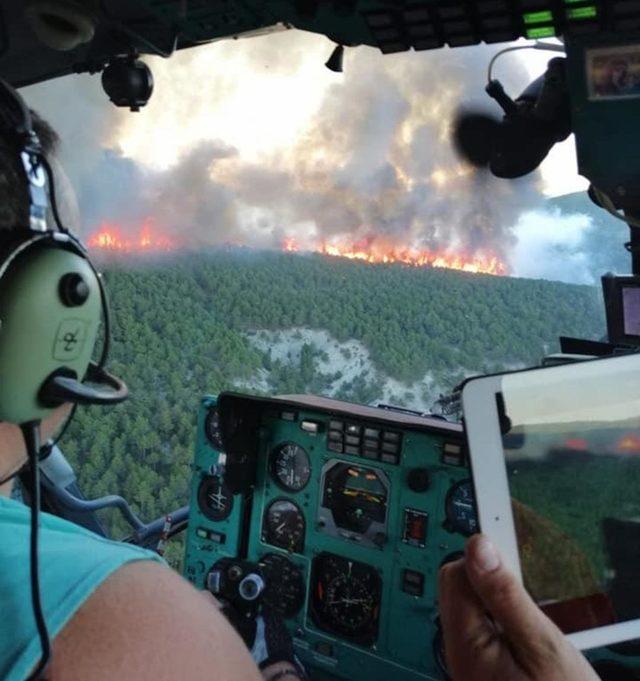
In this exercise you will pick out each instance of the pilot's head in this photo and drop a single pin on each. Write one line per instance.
(14, 211)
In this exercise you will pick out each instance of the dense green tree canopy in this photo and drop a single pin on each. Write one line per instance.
(180, 331)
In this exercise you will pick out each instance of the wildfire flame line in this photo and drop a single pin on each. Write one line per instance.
(376, 253)
(110, 237)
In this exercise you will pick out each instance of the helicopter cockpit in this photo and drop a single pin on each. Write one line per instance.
(337, 515)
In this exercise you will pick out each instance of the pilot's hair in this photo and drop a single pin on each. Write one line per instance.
(14, 209)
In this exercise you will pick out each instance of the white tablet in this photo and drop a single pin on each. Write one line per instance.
(555, 457)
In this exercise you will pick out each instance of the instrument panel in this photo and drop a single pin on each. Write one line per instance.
(348, 517)
(338, 517)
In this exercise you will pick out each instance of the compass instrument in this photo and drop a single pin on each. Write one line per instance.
(345, 597)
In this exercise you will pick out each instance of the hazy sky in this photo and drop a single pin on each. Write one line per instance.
(270, 90)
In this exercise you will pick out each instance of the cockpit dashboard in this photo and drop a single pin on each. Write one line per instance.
(336, 516)
(350, 515)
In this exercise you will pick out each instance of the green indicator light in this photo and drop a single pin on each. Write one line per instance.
(541, 32)
(537, 17)
(573, 2)
(201, 533)
(582, 12)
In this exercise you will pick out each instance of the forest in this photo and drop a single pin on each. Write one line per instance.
(566, 529)
(183, 328)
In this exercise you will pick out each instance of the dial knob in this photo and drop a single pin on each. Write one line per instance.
(251, 587)
(418, 480)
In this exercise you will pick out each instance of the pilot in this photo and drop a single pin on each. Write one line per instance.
(115, 611)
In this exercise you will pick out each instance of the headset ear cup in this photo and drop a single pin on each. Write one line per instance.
(44, 329)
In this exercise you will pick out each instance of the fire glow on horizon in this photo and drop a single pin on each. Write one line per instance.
(378, 252)
(112, 238)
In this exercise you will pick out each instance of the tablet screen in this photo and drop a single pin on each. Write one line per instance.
(571, 439)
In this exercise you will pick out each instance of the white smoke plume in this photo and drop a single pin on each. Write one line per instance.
(373, 162)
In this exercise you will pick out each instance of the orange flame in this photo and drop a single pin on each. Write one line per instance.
(629, 444)
(110, 237)
(290, 246)
(377, 252)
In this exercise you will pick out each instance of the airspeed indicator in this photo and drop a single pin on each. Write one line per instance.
(290, 467)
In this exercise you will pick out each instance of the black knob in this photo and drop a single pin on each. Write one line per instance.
(418, 479)
(73, 290)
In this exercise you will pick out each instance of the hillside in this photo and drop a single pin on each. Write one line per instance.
(285, 323)
(603, 241)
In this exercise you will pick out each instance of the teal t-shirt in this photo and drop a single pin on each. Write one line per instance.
(73, 563)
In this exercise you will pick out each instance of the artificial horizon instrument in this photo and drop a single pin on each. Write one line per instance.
(336, 515)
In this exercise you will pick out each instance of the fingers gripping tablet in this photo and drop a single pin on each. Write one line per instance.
(555, 455)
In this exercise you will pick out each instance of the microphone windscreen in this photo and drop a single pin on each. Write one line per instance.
(473, 136)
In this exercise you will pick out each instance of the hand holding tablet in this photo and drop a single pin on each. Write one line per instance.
(555, 455)
(517, 641)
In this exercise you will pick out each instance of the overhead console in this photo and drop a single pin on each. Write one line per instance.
(337, 516)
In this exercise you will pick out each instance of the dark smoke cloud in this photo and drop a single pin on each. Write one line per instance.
(376, 160)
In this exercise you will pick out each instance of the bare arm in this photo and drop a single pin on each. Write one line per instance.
(147, 623)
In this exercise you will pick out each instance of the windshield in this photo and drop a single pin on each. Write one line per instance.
(269, 226)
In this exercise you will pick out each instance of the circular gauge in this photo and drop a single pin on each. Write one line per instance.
(284, 525)
(214, 498)
(460, 509)
(290, 466)
(284, 592)
(346, 597)
(212, 428)
(350, 602)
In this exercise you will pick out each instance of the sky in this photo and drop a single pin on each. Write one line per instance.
(260, 99)
(254, 140)
(256, 111)
(267, 102)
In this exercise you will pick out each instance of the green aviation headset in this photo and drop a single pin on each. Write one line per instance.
(52, 301)
(51, 297)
